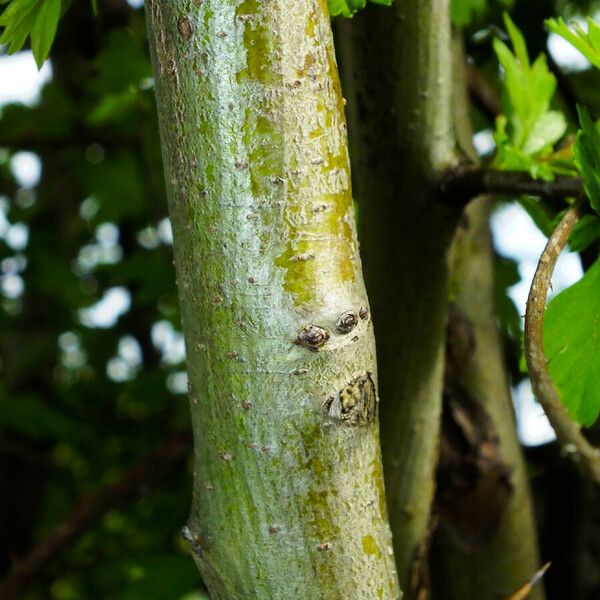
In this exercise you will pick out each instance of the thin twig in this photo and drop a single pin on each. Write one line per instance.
(466, 181)
(483, 94)
(525, 590)
(567, 431)
(88, 511)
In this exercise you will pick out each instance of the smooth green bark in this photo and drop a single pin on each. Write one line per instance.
(398, 72)
(510, 557)
(288, 494)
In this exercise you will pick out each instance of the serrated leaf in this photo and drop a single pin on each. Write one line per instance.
(35, 18)
(572, 346)
(44, 30)
(588, 43)
(518, 41)
(18, 20)
(587, 157)
(526, 133)
(528, 88)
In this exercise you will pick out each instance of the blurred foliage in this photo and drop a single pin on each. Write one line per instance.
(86, 392)
(467, 12)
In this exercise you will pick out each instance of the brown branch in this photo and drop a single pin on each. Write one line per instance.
(89, 510)
(466, 181)
(567, 431)
(483, 94)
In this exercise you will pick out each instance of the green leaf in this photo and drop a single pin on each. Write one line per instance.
(114, 106)
(464, 11)
(121, 42)
(506, 274)
(18, 20)
(518, 41)
(511, 158)
(588, 43)
(545, 132)
(543, 217)
(572, 346)
(44, 30)
(585, 233)
(34, 418)
(35, 18)
(347, 8)
(527, 131)
(587, 157)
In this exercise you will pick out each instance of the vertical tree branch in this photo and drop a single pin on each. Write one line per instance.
(398, 75)
(288, 493)
(498, 524)
(499, 563)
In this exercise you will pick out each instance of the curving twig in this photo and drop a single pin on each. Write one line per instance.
(89, 510)
(567, 431)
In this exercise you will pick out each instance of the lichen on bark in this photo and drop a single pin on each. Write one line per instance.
(256, 163)
(398, 75)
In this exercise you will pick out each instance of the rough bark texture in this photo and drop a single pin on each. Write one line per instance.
(508, 558)
(289, 499)
(398, 71)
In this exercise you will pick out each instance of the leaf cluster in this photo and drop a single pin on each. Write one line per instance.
(528, 129)
(37, 19)
(525, 136)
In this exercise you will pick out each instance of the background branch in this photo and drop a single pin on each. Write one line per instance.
(467, 181)
(89, 510)
(567, 431)
(483, 94)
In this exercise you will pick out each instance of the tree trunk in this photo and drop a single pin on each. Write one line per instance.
(504, 559)
(288, 494)
(503, 554)
(398, 70)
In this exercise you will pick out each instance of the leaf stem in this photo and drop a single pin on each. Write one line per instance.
(567, 431)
